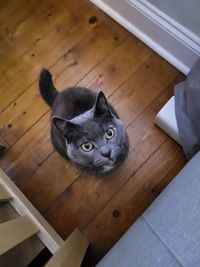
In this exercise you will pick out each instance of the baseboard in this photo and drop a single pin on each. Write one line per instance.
(171, 41)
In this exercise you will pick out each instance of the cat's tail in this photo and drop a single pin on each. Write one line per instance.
(47, 89)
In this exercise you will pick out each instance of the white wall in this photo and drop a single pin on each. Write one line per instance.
(185, 12)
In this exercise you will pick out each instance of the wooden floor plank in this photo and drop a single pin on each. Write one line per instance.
(36, 13)
(23, 36)
(22, 114)
(52, 178)
(18, 117)
(10, 9)
(62, 37)
(29, 152)
(142, 87)
(117, 68)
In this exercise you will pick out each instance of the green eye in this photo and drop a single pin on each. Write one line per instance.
(110, 133)
(87, 147)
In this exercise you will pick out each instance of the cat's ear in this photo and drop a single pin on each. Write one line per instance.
(64, 126)
(101, 104)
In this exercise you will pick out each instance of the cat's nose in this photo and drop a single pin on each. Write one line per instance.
(106, 153)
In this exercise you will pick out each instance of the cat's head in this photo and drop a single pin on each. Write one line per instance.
(94, 138)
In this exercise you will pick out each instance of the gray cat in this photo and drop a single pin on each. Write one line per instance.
(85, 129)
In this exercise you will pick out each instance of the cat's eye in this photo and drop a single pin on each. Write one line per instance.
(87, 147)
(110, 133)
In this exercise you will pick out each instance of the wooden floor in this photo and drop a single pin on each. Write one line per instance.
(82, 46)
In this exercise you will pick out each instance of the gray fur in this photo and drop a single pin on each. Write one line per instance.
(80, 116)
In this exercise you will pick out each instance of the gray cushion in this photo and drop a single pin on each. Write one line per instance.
(175, 215)
(139, 247)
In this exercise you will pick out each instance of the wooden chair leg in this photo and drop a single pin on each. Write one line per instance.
(71, 253)
(4, 195)
(29, 223)
(23, 207)
(15, 231)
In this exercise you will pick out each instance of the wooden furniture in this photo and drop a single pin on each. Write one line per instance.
(24, 232)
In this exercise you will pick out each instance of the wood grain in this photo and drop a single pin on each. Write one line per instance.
(117, 68)
(63, 36)
(142, 87)
(52, 178)
(29, 152)
(77, 62)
